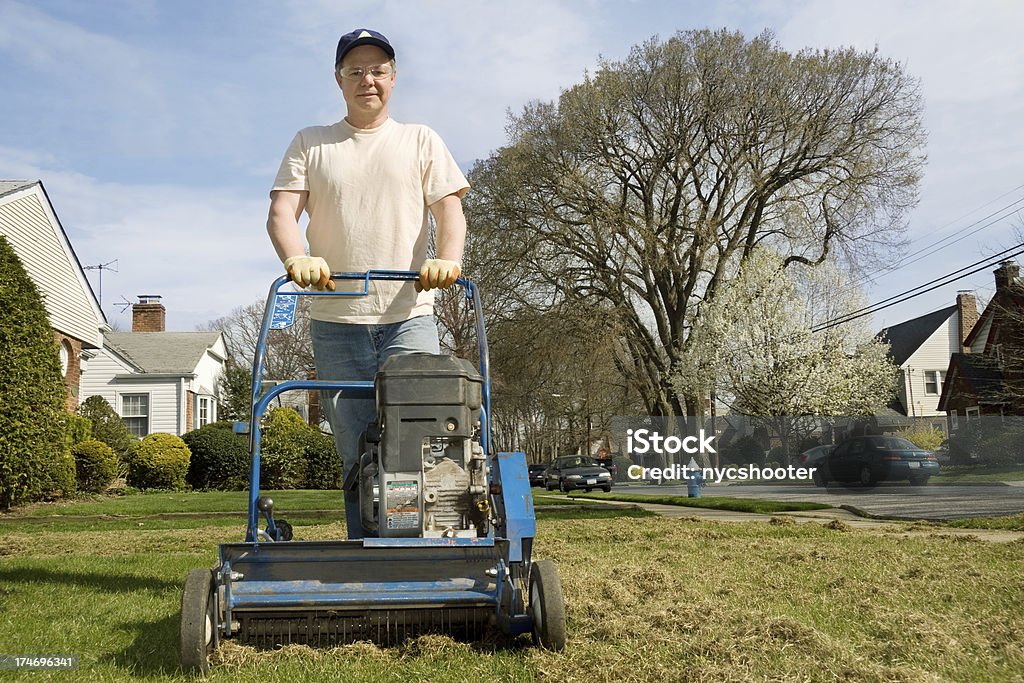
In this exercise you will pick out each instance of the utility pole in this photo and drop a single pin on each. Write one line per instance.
(101, 267)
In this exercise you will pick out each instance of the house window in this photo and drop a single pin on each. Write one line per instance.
(206, 410)
(953, 421)
(135, 413)
(933, 381)
(973, 412)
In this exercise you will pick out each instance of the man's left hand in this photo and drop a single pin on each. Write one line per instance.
(437, 273)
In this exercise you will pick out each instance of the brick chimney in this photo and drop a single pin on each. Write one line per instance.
(149, 315)
(1006, 274)
(967, 312)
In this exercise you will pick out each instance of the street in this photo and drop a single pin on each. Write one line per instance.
(898, 499)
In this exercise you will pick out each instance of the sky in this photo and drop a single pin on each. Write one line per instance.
(157, 127)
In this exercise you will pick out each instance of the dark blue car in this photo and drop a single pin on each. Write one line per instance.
(870, 459)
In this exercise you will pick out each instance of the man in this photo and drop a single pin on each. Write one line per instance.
(366, 183)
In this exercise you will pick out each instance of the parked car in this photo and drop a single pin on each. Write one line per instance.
(537, 474)
(870, 459)
(813, 458)
(570, 472)
(609, 464)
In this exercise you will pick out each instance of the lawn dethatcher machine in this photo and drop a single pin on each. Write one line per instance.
(449, 521)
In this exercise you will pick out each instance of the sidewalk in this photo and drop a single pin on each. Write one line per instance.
(827, 516)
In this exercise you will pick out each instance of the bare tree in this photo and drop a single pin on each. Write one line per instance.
(641, 190)
(289, 355)
(289, 351)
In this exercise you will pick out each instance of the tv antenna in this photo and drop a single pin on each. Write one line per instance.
(101, 267)
(124, 303)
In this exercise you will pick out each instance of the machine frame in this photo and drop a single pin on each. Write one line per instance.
(269, 592)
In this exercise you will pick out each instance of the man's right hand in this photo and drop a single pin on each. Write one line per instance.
(309, 270)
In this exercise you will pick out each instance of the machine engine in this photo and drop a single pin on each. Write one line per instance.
(422, 471)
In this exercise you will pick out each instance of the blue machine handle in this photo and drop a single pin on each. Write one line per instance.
(261, 400)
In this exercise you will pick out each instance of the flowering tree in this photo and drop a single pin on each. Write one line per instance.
(756, 348)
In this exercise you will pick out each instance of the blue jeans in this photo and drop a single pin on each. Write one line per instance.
(354, 353)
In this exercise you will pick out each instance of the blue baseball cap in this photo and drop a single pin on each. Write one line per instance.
(362, 36)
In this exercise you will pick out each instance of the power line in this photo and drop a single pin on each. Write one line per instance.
(934, 247)
(913, 293)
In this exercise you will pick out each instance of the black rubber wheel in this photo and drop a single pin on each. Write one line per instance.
(918, 481)
(561, 487)
(547, 606)
(198, 622)
(866, 479)
(549, 487)
(606, 489)
(819, 479)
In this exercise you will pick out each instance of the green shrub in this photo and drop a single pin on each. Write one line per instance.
(282, 450)
(923, 436)
(744, 451)
(776, 456)
(160, 461)
(323, 464)
(33, 459)
(1002, 447)
(107, 425)
(59, 479)
(623, 462)
(78, 430)
(220, 458)
(95, 465)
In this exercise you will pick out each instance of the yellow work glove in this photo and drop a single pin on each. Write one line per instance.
(437, 272)
(309, 270)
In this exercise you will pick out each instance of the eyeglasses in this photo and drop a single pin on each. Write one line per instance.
(358, 73)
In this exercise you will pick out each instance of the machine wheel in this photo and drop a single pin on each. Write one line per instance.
(866, 478)
(547, 606)
(606, 489)
(918, 481)
(819, 479)
(198, 621)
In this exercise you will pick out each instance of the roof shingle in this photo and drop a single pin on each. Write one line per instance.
(163, 352)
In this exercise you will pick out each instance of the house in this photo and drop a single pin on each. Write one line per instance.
(921, 348)
(158, 381)
(30, 224)
(987, 376)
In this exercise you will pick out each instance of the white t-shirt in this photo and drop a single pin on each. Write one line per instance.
(368, 196)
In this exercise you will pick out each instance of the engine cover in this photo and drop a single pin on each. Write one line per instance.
(425, 466)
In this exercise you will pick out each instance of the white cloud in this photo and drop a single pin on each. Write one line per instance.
(204, 251)
(157, 136)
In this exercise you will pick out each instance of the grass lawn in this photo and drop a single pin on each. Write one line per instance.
(1006, 523)
(967, 473)
(648, 598)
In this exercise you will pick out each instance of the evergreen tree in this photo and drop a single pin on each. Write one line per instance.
(32, 412)
(107, 425)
